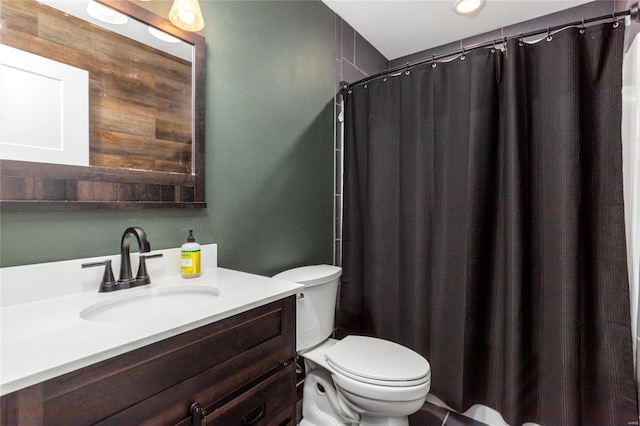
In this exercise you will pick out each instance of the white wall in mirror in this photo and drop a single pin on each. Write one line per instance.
(44, 109)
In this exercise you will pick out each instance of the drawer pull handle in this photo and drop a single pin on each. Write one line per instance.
(255, 414)
(198, 415)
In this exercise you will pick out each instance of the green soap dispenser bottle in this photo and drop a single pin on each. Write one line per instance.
(190, 257)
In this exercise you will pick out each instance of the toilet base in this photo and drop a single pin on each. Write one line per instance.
(323, 405)
(320, 404)
(369, 422)
(393, 421)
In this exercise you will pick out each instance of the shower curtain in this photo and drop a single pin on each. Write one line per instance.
(484, 227)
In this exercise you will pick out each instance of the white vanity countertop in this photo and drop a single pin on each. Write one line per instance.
(46, 338)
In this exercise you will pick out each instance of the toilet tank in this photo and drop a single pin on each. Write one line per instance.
(316, 304)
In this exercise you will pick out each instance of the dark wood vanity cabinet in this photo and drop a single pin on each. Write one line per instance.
(237, 371)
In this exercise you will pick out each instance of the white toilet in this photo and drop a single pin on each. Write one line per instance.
(357, 380)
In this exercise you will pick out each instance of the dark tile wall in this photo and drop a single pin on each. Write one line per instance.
(574, 14)
(355, 58)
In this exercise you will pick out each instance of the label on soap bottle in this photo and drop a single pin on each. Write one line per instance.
(190, 264)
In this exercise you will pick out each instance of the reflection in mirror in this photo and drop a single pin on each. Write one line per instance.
(145, 109)
(103, 16)
(139, 96)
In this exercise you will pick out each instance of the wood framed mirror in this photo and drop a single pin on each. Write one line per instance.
(145, 114)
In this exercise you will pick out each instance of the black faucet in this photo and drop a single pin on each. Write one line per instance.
(126, 279)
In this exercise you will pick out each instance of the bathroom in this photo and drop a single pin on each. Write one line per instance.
(271, 184)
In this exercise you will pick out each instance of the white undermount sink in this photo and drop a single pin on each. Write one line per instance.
(144, 304)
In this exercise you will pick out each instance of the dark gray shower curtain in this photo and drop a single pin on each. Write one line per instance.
(483, 227)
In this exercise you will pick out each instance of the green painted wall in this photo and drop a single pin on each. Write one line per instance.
(269, 152)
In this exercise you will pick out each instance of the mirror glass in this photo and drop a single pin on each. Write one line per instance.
(144, 109)
(105, 17)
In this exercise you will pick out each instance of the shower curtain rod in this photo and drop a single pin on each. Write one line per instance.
(633, 12)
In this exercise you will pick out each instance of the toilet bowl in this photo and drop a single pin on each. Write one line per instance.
(358, 380)
(380, 381)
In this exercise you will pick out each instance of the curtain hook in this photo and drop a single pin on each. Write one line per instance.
(549, 37)
(615, 20)
(462, 56)
(407, 72)
(582, 30)
(504, 43)
(520, 40)
(493, 48)
(433, 61)
(384, 77)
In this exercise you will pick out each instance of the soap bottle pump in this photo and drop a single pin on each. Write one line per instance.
(190, 257)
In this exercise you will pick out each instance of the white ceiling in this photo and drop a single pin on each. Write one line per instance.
(401, 27)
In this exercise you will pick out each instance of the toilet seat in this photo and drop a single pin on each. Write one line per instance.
(378, 362)
(380, 393)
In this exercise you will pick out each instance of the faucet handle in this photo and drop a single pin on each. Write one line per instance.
(142, 277)
(108, 282)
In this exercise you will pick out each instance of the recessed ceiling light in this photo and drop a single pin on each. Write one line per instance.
(161, 35)
(467, 7)
(105, 14)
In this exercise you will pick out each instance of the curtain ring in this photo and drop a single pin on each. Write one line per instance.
(549, 37)
(520, 40)
(582, 30)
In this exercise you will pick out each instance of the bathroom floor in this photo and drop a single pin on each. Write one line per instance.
(433, 415)
(429, 415)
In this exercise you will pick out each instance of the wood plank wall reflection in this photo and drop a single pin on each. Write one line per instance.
(139, 98)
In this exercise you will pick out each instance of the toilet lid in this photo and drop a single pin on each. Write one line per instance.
(376, 360)
(311, 275)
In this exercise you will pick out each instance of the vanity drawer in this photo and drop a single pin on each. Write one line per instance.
(267, 403)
